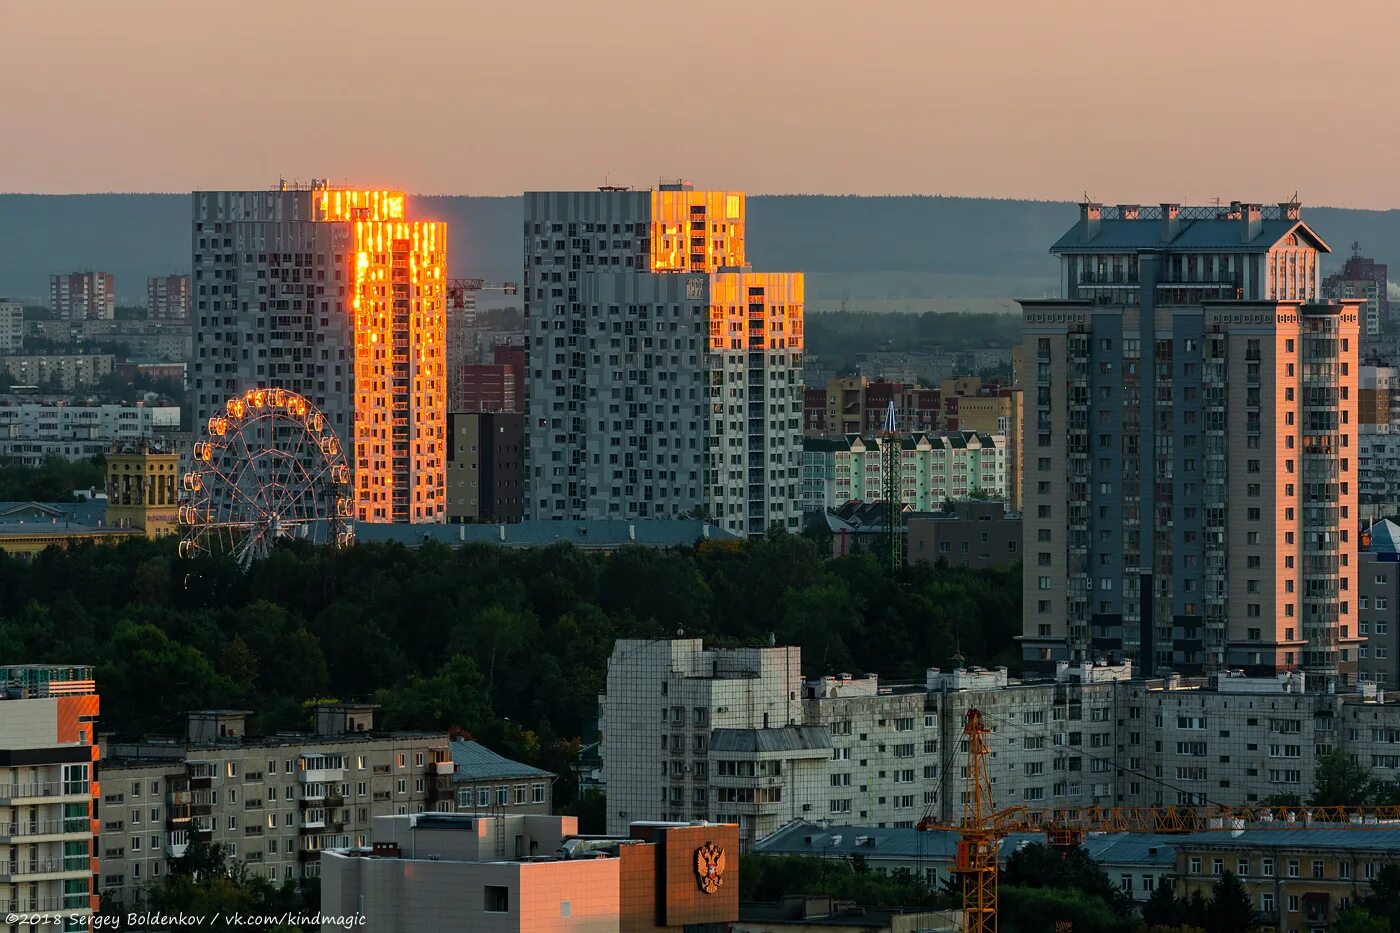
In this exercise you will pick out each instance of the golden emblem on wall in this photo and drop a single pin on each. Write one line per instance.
(709, 867)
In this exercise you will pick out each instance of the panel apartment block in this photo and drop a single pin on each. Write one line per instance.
(274, 802)
(1190, 446)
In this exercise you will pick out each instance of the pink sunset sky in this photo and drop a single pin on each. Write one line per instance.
(1186, 100)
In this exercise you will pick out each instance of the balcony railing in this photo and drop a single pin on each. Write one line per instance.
(80, 824)
(11, 792)
(46, 866)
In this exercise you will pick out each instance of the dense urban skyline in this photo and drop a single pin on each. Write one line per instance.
(901, 98)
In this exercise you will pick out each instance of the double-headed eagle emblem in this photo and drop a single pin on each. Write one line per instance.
(709, 867)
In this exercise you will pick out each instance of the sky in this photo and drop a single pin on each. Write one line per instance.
(1125, 101)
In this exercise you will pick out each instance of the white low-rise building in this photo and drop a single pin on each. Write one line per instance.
(31, 432)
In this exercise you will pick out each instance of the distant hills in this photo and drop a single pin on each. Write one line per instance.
(875, 253)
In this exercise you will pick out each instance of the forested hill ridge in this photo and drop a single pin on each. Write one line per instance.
(872, 253)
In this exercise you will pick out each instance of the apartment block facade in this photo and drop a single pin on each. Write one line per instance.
(68, 371)
(274, 802)
(1364, 279)
(336, 294)
(663, 376)
(933, 469)
(168, 297)
(485, 466)
(1379, 617)
(31, 432)
(696, 733)
(48, 795)
(11, 327)
(80, 296)
(1190, 454)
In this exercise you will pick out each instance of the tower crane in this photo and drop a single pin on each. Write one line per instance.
(981, 829)
(457, 289)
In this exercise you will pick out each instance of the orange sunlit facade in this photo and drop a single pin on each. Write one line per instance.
(338, 295)
(398, 304)
(696, 231)
(756, 311)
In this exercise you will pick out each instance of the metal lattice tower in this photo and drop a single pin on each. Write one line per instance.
(891, 450)
(977, 847)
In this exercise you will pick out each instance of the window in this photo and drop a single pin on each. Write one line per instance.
(496, 899)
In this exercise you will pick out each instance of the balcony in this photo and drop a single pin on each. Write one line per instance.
(44, 869)
(34, 831)
(44, 792)
(46, 905)
(443, 767)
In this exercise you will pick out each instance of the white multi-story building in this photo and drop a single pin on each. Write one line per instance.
(738, 735)
(664, 377)
(11, 326)
(273, 802)
(81, 296)
(934, 468)
(31, 432)
(335, 294)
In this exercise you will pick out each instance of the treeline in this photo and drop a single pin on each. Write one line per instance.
(52, 481)
(463, 637)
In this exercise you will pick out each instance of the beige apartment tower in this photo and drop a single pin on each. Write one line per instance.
(1190, 446)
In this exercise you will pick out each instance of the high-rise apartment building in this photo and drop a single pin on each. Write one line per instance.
(83, 296)
(11, 327)
(1190, 453)
(663, 376)
(335, 294)
(48, 796)
(1363, 278)
(168, 297)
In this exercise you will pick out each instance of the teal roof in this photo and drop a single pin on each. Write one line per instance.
(1385, 538)
(1215, 235)
(92, 513)
(802, 838)
(475, 762)
(592, 533)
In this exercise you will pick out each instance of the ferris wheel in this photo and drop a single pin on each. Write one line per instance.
(269, 467)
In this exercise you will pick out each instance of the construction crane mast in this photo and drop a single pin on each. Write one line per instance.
(891, 450)
(982, 829)
(977, 848)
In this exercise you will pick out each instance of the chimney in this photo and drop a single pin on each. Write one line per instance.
(1251, 221)
(1128, 212)
(1290, 210)
(1089, 214)
(1171, 222)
